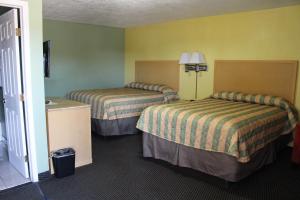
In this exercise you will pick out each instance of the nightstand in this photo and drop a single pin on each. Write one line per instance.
(69, 125)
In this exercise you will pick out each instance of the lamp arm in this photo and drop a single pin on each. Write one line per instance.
(196, 91)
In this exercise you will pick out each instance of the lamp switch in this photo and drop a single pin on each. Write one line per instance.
(196, 68)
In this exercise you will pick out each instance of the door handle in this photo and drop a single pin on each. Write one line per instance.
(3, 100)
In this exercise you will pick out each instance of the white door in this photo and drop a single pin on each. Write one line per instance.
(12, 90)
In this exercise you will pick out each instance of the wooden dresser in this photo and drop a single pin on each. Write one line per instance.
(69, 125)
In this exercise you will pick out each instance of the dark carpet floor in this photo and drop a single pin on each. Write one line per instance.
(120, 172)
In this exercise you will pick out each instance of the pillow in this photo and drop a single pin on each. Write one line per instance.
(153, 87)
(137, 85)
(169, 93)
(253, 98)
(263, 100)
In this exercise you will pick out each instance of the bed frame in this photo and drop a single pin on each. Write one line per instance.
(164, 72)
(273, 77)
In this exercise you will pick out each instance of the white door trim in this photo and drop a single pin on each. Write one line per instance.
(27, 84)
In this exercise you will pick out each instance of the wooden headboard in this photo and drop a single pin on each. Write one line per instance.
(158, 72)
(257, 76)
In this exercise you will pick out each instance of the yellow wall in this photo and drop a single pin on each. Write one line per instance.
(265, 34)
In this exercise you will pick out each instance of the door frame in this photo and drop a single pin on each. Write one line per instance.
(27, 84)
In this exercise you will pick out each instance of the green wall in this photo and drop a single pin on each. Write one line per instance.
(38, 95)
(83, 56)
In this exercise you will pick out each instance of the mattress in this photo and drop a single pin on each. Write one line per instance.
(118, 103)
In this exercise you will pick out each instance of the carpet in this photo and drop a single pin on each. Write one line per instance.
(119, 172)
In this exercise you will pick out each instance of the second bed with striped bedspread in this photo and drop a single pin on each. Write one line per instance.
(237, 127)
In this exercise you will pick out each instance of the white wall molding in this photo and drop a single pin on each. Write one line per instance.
(27, 84)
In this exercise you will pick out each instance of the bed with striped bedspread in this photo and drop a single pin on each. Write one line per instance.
(120, 103)
(232, 123)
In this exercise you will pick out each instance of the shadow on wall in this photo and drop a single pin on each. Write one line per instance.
(2, 116)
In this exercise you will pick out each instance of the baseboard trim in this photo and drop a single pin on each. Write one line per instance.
(44, 175)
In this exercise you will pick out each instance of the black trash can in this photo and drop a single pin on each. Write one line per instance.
(63, 162)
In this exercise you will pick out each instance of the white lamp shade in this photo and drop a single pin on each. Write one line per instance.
(185, 58)
(197, 58)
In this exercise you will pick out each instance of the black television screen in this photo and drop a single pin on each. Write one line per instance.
(46, 55)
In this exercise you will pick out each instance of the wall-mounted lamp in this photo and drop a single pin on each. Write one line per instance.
(193, 62)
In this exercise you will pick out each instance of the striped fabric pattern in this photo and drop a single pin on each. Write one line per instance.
(169, 93)
(136, 85)
(235, 128)
(263, 100)
(111, 104)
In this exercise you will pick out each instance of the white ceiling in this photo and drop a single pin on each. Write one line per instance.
(127, 13)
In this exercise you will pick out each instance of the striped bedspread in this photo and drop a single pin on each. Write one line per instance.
(235, 127)
(111, 104)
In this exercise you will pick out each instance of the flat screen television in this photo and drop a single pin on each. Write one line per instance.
(46, 55)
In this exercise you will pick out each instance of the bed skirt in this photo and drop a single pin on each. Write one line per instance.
(126, 126)
(212, 163)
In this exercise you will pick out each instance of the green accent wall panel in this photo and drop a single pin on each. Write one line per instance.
(83, 57)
